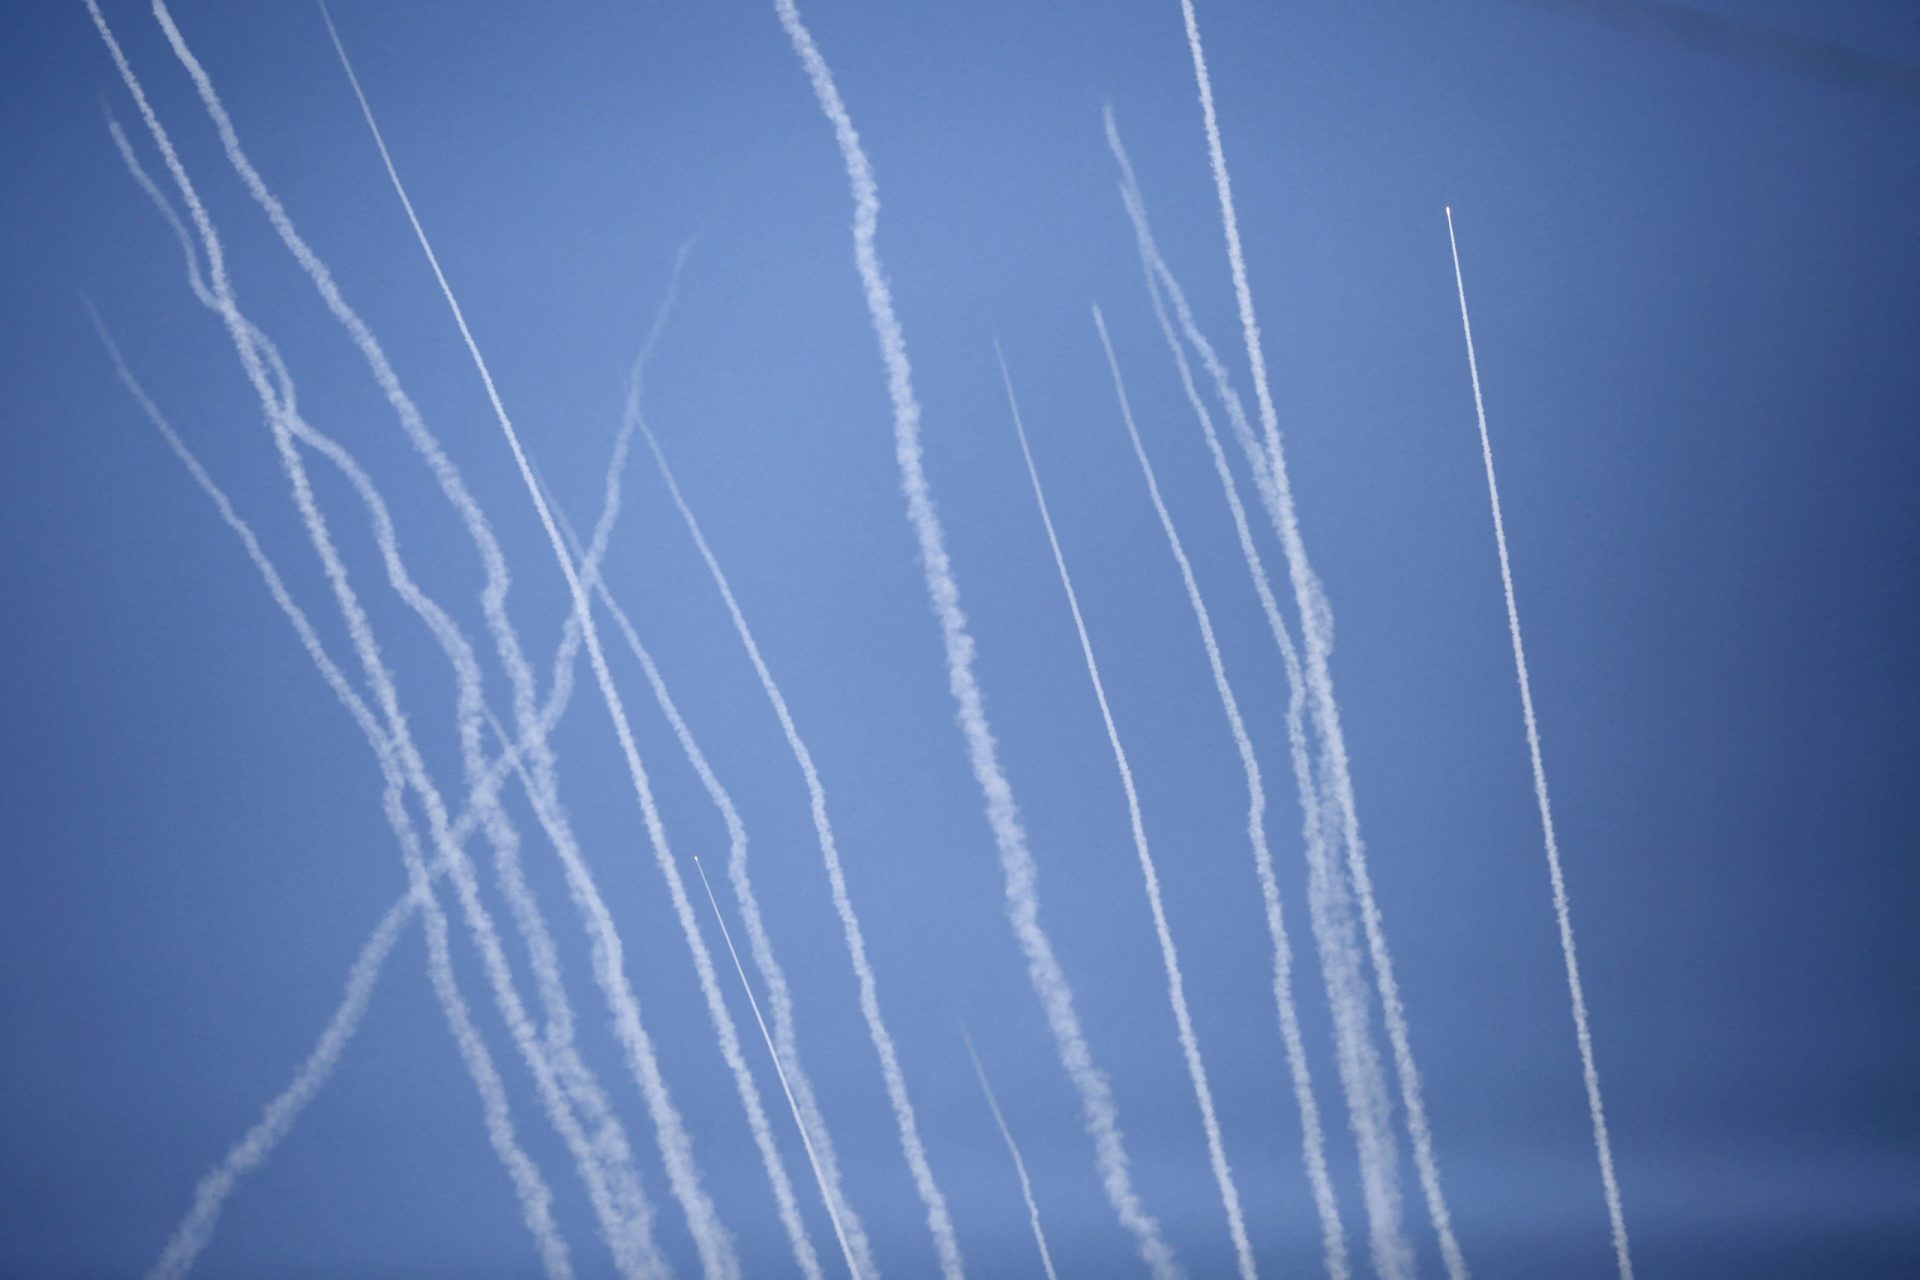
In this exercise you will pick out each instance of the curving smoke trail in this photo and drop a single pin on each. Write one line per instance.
(719, 1260)
(1317, 632)
(1562, 910)
(1098, 1109)
(1163, 933)
(1362, 1074)
(932, 1199)
(1019, 1165)
(604, 1156)
(401, 759)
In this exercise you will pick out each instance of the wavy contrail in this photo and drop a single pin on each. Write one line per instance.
(1098, 1108)
(398, 751)
(605, 1159)
(1562, 910)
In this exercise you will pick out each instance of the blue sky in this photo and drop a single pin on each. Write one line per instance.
(1693, 280)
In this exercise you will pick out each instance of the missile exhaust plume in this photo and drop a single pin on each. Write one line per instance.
(534, 1195)
(717, 1253)
(932, 1199)
(1163, 932)
(605, 1158)
(805, 1108)
(1019, 1165)
(1362, 1075)
(760, 943)
(1099, 1111)
(1562, 910)
(774, 1053)
(1317, 631)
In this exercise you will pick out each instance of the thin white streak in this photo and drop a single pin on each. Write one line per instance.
(1163, 933)
(1098, 1108)
(767, 1036)
(1362, 1078)
(1319, 643)
(1562, 909)
(1019, 1165)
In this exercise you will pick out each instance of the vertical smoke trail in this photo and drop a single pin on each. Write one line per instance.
(717, 1254)
(1019, 1165)
(1316, 629)
(799, 1091)
(939, 1221)
(779, 1070)
(605, 1158)
(534, 1195)
(1098, 1108)
(1563, 912)
(1362, 1076)
(1169, 954)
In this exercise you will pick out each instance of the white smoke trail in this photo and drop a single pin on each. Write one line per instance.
(939, 1221)
(717, 1254)
(605, 1160)
(779, 995)
(534, 1196)
(1362, 1078)
(1169, 954)
(799, 1091)
(1019, 1165)
(1098, 1108)
(1317, 634)
(279, 1115)
(1562, 910)
(845, 1250)
(711, 1239)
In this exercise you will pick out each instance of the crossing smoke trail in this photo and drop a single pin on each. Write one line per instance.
(399, 756)
(1098, 1109)
(773, 1053)
(939, 1222)
(195, 1231)
(604, 1158)
(1019, 1165)
(1316, 629)
(1169, 954)
(280, 1114)
(760, 943)
(717, 1253)
(1362, 1078)
(806, 1116)
(675, 1145)
(1562, 910)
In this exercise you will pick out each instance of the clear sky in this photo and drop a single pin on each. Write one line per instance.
(1694, 277)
